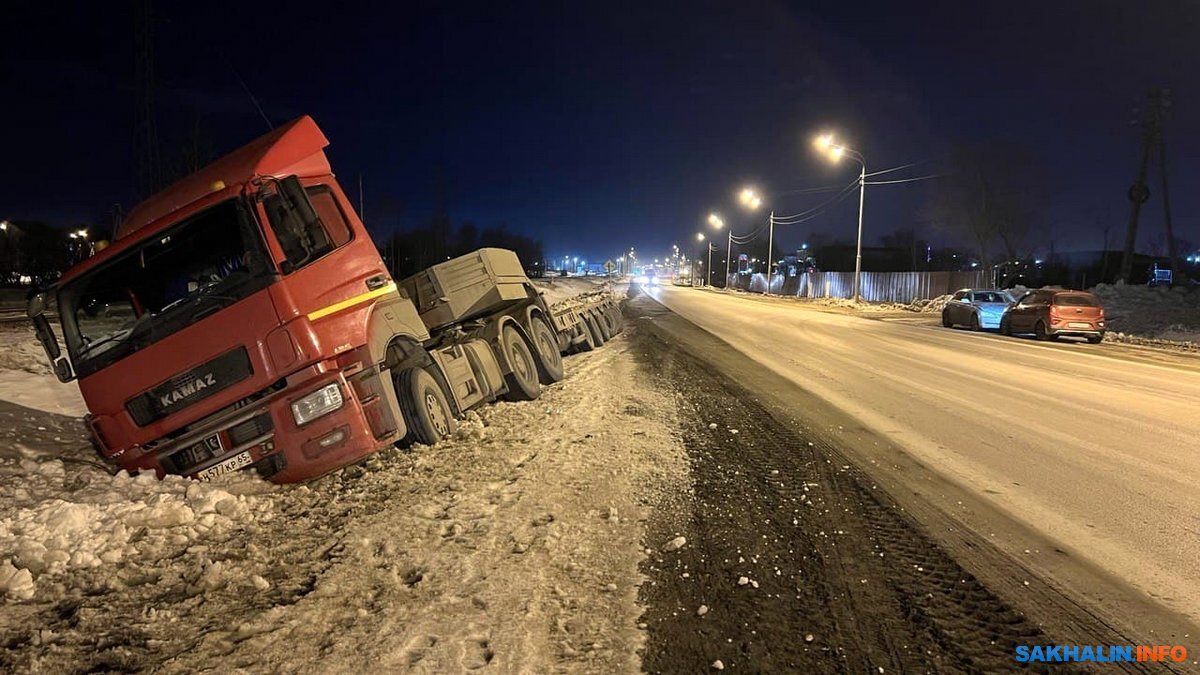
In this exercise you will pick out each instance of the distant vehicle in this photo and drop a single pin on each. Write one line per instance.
(1050, 314)
(976, 308)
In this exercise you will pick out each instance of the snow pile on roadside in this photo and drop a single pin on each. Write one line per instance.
(56, 518)
(932, 305)
(27, 379)
(847, 303)
(557, 289)
(19, 350)
(1160, 313)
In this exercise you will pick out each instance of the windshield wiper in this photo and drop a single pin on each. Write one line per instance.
(135, 333)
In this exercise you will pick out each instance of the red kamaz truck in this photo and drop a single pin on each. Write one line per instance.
(244, 318)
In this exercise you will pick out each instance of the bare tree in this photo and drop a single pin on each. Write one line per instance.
(991, 194)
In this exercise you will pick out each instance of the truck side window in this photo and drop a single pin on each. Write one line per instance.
(335, 230)
(331, 214)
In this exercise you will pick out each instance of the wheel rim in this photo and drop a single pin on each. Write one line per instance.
(548, 346)
(437, 414)
(520, 362)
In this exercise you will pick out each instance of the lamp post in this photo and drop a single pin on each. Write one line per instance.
(750, 199)
(835, 152)
(717, 223)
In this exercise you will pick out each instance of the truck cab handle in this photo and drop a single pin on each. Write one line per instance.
(376, 282)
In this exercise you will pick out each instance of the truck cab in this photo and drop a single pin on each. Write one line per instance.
(244, 318)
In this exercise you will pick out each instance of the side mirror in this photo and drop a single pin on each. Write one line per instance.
(37, 304)
(45, 335)
(62, 370)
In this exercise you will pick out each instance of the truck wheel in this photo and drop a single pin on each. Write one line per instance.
(614, 324)
(523, 380)
(587, 344)
(618, 319)
(550, 363)
(425, 408)
(594, 328)
(603, 325)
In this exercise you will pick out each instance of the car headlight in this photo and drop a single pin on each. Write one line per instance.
(317, 404)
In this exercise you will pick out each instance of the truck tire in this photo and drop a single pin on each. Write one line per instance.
(426, 410)
(594, 328)
(603, 325)
(618, 321)
(586, 344)
(522, 381)
(550, 363)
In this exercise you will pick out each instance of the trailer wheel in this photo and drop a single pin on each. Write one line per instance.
(616, 320)
(606, 328)
(523, 380)
(425, 408)
(550, 363)
(594, 328)
(587, 344)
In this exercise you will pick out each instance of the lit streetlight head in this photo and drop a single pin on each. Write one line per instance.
(715, 221)
(699, 236)
(823, 141)
(3, 225)
(836, 152)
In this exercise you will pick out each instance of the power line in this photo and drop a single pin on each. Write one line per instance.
(906, 180)
(842, 195)
(896, 168)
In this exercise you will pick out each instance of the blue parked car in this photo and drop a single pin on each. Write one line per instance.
(976, 308)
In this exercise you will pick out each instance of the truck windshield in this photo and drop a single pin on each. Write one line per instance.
(169, 281)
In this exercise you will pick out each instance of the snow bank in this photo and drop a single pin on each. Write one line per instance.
(1159, 313)
(557, 289)
(57, 516)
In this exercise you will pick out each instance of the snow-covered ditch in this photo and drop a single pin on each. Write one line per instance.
(514, 545)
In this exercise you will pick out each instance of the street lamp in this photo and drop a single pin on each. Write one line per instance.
(718, 223)
(750, 199)
(835, 151)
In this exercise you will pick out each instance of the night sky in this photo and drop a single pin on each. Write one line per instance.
(599, 126)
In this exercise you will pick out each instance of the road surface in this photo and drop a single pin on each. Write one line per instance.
(1093, 448)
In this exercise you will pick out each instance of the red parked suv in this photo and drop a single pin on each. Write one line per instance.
(1051, 313)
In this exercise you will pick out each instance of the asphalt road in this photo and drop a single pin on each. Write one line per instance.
(1092, 447)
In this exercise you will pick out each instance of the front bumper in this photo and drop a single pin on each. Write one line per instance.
(264, 435)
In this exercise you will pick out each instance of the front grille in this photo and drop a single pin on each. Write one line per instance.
(184, 460)
(190, 387)
(250, 429)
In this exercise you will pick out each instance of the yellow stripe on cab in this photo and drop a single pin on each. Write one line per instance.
(336, 307)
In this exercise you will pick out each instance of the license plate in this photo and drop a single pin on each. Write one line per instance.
(238, 461)
(1079, 324)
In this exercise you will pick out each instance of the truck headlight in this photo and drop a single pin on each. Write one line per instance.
(321, 402)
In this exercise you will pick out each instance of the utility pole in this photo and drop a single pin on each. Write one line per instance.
(770, 255)
(1157, 101)
(728, 257)
(1162, 170)
(862, 190)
